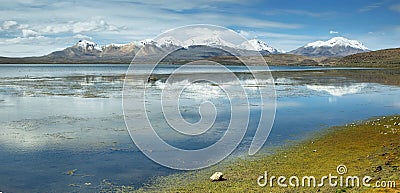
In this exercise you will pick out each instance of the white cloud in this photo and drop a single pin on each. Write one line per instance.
(244, 33)
(258, 23)
(297, 12)
(81, 36)
(22, 40)
(94, 25)
(333, 32)
(9, 24)
(56, 28)
(39, 39)
(22, 46)
(15, 29)
(29, 33)
(266, 34)
(370, 7)
(99, 25)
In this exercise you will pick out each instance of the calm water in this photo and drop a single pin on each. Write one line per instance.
(59, 118)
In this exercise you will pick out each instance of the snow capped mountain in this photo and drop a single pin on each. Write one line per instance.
(208, 41)
(337, 46)
(199, 47)
(258, 45)
(88, 45)
(161, 42)
(200, 40)
(253, 44)
(114, 45)
(338, 41)
(250, 45)
(146, 42)
(169, 41)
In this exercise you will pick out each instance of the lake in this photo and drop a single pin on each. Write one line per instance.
(63, 129)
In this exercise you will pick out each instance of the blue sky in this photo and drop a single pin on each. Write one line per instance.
(37, 27)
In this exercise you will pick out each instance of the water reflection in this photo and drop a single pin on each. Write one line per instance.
(52, 124)
(338, 90)
(87, 86)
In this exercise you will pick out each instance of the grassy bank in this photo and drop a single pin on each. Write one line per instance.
(368, 148)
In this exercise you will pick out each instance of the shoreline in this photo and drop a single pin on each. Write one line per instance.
(372, 151)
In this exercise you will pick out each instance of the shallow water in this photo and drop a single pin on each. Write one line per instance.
(59, 118)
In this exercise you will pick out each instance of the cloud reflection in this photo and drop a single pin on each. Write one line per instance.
(338, 90)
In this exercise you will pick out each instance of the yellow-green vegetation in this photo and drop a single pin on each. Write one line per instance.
(367, 148)
(70, 172)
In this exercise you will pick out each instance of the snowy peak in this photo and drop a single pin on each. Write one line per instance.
(114, 45)
(335, 47)
(338, 41)
(88, 45)
(208, 41)
(258, 45)
(162, 42)
(146, 42)
(169, 41)
(201, 40)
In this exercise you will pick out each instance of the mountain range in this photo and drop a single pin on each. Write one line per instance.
(85, 51)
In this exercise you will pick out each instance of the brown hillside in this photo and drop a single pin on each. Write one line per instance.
(380, 58)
